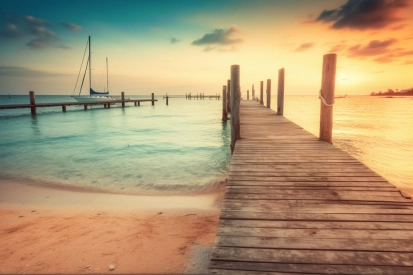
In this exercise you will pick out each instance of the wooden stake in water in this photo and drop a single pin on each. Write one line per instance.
(32, 103)
(228, 96)
(224, 104)
(268, 93)
(123, 99)
(153, 99)
(167, 103)
(262, 92)
(280, 93)
(327, 97)
(235, 101)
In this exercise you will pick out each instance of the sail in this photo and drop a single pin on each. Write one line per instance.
(97, 93)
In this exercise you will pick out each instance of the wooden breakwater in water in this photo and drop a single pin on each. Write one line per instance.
(33, 105)
(294, 203)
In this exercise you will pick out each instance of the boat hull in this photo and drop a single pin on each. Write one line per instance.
(93, 98)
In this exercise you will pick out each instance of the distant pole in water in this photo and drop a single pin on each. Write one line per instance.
(153, 99)
(235, 101)
(327, 97)
(280, 93)
(123, 99)
(166, 99)
(32, 103)
(262, 92)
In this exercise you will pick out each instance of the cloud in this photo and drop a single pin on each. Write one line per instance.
(10, 32)
(363, 14)
(408, 62)
(72, 27)
(375, 47)
(399, 27)
(337, 48)
(37, 32)
(173, 40)
(219, 39)
(304, 47)
(24, 72)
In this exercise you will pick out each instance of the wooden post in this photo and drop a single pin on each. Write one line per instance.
(228, 96)
(85, 107)
(167, 99)
(153, 99)
(139, 103)
(235, 101)
(123, 99)
(108, 105)
(262, 93)
(64, 108)
(33, 103)
(280, 93)
(327, 97)
(224, 104)
(135, 103)
(253, 92)
(268, 93)
(248, 94)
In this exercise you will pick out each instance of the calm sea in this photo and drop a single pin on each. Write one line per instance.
(182, 148)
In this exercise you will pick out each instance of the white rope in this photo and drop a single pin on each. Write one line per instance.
(324, 101)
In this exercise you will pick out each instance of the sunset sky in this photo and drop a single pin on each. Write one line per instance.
(178, 47)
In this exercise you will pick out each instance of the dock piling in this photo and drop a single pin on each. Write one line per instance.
(262, 92)
(268, 93)
(235, 102)
(224, 103)
(63, 108)
(228, 96)
(167, 98)
(123, 99)
(327, 97)
(32, 103)
(153, 99)
(248, 94)
(280, 93)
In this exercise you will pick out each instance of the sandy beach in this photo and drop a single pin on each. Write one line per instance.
(46, 230)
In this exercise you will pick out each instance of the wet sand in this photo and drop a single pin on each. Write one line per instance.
(46, 230)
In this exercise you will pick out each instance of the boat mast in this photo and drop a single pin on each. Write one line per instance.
(107, 75)
(90, 70)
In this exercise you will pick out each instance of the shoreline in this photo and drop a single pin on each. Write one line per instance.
(48, 230)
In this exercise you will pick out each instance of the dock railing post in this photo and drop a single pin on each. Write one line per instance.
(123, 99)
(32, 103)
(327, 97)
(280, 93)
(224, 103)
(153, 99)
(228, 96)
(268, 93)
(262, 93)
(235, 102)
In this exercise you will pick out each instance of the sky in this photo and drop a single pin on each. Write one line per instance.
(188, 46)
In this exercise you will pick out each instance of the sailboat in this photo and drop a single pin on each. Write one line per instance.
(93, 95)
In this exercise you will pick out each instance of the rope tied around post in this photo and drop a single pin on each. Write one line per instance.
(324, 101)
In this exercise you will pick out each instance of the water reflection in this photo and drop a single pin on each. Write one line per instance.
(35, 126)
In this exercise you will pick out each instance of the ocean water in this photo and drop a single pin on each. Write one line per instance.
(376, 130)
(182, 148)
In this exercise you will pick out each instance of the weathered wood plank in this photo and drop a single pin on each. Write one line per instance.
(315, 243)
(313, 256)
(317, 224)
(234, 268)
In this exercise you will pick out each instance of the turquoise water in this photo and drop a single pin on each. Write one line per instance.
(181, 148)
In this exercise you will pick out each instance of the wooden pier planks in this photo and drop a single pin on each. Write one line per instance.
(294, 204)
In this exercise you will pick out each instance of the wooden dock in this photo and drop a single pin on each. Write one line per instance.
(297, 205)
